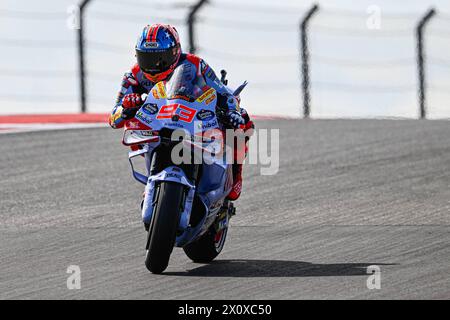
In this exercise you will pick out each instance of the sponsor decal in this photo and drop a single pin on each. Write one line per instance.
(208, 125)
(205, 115)
(117, 114)
(146, 133)
(173, 175)
(150, 108)
(206, 95)
(210, 99)
(143, 117)
(203, 66)
(161, 90)
(175, 124)
(133, 124)
(155, 93)
(151, 45)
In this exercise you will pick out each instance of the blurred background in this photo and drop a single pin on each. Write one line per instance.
(358, 67)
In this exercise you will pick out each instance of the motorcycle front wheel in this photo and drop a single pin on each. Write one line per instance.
(163, 226)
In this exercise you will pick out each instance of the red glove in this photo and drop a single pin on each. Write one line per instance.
(131, 100)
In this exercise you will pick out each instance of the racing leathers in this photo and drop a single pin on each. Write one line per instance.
(135, 83)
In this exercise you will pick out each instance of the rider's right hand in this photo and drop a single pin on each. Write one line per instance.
(131, 100)
(130, 105)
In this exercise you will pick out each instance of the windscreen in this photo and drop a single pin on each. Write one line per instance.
(185, 84)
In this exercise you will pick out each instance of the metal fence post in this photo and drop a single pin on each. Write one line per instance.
(304, 56)
(81, 56)
(191, 21)
(420, 61)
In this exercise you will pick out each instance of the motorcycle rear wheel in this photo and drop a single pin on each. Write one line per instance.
(208, 247)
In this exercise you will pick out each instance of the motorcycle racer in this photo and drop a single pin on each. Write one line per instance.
(158, 53)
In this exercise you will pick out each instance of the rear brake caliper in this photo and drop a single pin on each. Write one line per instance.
(231, 210)
(224, 215)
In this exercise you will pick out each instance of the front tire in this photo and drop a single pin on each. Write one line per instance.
(163, 226)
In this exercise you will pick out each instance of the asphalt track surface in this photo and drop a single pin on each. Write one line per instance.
(348, 194)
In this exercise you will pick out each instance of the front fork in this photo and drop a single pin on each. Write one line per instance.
(169, 174)
(161, 169)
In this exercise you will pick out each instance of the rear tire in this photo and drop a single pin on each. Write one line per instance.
(208, 247)
(163, 226)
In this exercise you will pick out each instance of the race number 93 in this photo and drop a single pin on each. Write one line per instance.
(184, 113)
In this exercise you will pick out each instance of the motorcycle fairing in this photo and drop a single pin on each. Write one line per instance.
(215, 184)
(172, 174)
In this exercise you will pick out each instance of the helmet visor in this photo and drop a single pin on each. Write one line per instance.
(156, 61)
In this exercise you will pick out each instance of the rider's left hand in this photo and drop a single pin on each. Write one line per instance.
(235, 118)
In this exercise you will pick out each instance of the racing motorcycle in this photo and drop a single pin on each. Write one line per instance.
(184, 202)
